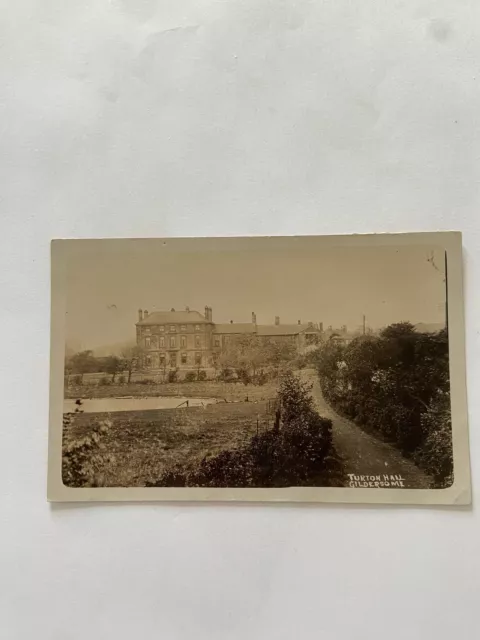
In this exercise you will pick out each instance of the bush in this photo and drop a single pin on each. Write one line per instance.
(121, 380)
(172, 376)
(103, 382)
(78, 379)
(299, 453)
(227, 374)
(390, 384)
(436, 454)
(83, 459)
(201, 375)
(244, 376)
(145, 381)
(190, 376)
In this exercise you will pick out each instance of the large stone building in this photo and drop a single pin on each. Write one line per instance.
(189, 340)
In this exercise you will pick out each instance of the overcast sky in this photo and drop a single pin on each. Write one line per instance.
(107, 284)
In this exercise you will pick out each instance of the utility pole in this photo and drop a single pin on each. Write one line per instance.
(364, 325)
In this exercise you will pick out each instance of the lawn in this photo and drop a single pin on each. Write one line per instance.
(140, 445)
(229, 391)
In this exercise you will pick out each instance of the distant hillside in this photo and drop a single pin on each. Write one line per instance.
(433, 327)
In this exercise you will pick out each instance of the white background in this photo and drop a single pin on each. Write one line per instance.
(147, 118)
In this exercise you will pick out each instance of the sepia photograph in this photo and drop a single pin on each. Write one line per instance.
(274, 369)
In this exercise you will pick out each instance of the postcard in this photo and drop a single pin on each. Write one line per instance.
(261, 369)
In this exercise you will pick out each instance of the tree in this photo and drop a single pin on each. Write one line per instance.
(279, 354)
(132, 360)
(82, 362)
(113, 365)
(68, 369)
(390, 384)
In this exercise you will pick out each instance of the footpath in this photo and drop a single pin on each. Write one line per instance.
(363, 454)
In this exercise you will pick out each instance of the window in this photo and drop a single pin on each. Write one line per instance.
(173, 328)
(173, 342)
(162, 359)
(173, 359)
(183, 327)
(148, 362)
(162, 341)
(197, 341)
(154, 342)
(198, 358)
(147, 343)
(161, 328)
(184, 358)
(197, 327)
(217, 342)
(147, 331)
(183, 341)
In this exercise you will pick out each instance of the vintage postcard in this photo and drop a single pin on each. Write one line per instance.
(266, 369)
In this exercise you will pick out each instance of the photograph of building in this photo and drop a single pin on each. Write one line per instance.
(188, 339)
(255, 363)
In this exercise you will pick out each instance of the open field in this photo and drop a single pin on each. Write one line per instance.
(140, 445)
(229, 391)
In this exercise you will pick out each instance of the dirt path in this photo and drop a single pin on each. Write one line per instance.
(363, 454)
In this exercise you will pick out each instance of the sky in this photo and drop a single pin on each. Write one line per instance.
(108, 281)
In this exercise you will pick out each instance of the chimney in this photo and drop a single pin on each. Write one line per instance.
(277, 320)
(140, 317)
(299, 322)
(187, 309)
(320, 326)
(172, 310)
(344, 328)
(254, 318)
(210, 310)
(145, 314)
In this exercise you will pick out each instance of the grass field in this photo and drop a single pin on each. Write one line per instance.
(208, 389)
(140, 445)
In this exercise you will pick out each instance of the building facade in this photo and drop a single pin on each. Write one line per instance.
(188, 340)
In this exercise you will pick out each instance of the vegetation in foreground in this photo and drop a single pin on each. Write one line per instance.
(397, 386)
(297, 451)
(132, 448)
(223, 445)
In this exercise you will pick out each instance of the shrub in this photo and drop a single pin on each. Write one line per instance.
(78, 379)
(243, 376)
(121, 380)
(103, 382)
(392, 384)
(300, 453)
(201, 375)
(83, 458)
(227, 374)
(172, 376)
(190, 376)
(145, 381)
(436, 454)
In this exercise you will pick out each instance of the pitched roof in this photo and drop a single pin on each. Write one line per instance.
(282, 329)
(235, 328)
(165, 317)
